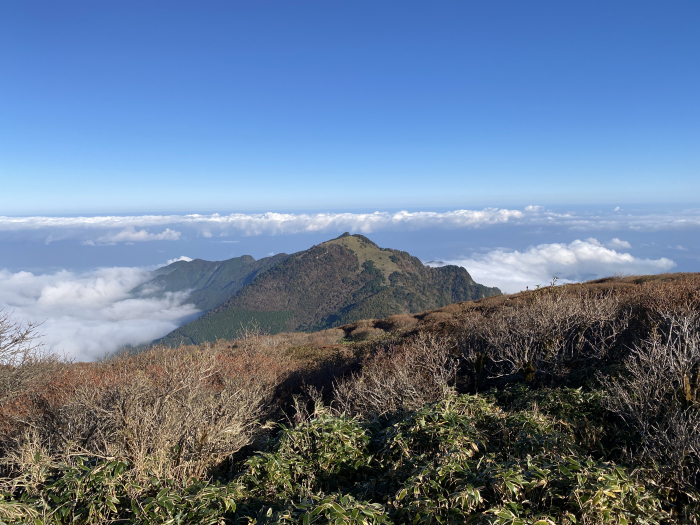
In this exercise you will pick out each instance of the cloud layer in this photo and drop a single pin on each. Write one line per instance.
(513, 270)
(130, 235)
(88, 315)
(138, 228)
(125, 227)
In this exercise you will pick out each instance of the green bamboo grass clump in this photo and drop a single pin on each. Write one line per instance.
(463, 459)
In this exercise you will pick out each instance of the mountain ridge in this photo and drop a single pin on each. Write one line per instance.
(333, 283)
(208, 283)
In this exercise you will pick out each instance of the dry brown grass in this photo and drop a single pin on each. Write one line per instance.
(170, 412)
(318, 339)
(438, 316)
(397, 323)
(373, 329)
(364, 330)
(367, 334)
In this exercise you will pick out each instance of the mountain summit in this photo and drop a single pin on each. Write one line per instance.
(336, 282)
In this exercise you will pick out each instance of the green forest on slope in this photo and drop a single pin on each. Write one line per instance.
(331, 284)
(208, 283)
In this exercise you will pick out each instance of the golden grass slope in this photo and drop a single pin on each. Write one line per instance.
(365, 250)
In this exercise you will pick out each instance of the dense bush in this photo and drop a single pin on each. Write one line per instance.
(463, 459)
(547, 337)
(89, 491)
(658, 395)
(170, 413)
(315, 457)
(400, 377)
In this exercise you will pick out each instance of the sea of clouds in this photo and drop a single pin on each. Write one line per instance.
(114, 229)
(87, 315)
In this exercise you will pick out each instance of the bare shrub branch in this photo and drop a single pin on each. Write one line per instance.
(658, 395)
(23, 360)
(401, 378)
(173, 413)
(546, 337)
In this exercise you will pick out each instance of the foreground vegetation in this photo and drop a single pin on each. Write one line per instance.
(575, 404)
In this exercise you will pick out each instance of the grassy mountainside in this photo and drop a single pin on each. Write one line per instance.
(567, 405)
(209, 283)
(335, 283)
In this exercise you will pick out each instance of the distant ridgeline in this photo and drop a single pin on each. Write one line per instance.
(337, 282)
(209, 283)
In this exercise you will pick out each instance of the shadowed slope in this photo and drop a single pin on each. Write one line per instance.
(209, 283)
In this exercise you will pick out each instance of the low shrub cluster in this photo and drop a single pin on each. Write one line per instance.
(463, 459)
(400, 377)
(169, 413)
(565, 405)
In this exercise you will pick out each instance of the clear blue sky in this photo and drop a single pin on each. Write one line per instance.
(119, 106)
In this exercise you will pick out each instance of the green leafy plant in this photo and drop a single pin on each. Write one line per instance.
(316, 455)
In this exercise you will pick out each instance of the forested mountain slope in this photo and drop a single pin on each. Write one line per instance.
(210, 283)
(331, 284)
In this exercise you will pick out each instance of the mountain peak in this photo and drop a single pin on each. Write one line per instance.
(366, 250)
(333, 283)
(347, 235)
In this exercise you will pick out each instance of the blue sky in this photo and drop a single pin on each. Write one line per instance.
(522, 140)
(110, 107)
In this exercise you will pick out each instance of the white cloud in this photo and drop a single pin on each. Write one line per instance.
(181, 258)
(512, 270)
(617, 244)
(270, 222)
(130, 235)
(88, 315)
(613, 244)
